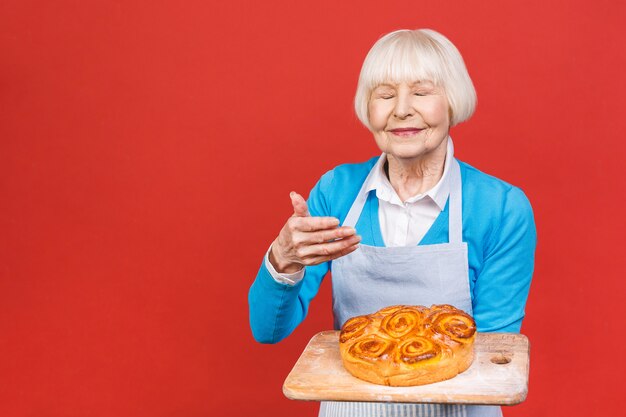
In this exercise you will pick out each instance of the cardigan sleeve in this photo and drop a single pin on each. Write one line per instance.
(276, 309)
(502, 286)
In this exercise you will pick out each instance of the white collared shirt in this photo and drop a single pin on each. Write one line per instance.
(401, 223)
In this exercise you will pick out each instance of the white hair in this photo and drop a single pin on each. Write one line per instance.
(417, 55)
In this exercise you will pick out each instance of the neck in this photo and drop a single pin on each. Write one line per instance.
(410, 177)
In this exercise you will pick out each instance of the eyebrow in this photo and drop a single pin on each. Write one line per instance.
(422, 82)
(414, 84)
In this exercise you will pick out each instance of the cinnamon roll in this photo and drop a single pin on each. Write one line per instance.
(408, 345)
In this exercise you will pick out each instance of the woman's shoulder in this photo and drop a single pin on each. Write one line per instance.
(490, 196)
(501, 219)
(349, 173)
(338, 187)
(480, 182)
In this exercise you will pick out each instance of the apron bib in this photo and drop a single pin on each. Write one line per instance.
(371, 278)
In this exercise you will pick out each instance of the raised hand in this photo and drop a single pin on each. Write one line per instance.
(306, 240)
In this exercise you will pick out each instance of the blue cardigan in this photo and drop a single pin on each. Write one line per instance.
(498, 227)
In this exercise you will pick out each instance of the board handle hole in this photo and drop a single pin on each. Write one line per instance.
(501, 359)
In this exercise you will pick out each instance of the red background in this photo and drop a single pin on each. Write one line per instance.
(147, 149)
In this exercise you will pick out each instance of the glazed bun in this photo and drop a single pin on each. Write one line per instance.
(408, 345)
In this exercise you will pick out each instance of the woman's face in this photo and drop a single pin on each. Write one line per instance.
(409, 120)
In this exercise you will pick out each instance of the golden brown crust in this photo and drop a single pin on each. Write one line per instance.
(408, 345)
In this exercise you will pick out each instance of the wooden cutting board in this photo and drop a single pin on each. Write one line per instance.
(498, 375)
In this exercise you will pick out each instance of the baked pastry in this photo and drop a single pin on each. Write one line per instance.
(408, 345)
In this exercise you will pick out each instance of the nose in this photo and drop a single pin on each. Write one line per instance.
(403, 108)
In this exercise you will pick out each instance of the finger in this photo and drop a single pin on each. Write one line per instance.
(312, 224)
(328, 249)
(330, 234)
(321, 259)
(300, 208)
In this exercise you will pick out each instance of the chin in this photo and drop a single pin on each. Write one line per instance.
(406, 152)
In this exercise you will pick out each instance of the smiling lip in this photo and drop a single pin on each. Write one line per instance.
(405, 131)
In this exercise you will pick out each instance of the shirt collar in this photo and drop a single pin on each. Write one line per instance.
(439, 193)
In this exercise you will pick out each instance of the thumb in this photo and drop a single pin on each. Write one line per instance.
(300, 208)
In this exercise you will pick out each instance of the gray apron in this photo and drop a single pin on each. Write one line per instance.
(371, 278)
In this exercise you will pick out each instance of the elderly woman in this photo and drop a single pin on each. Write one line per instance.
(411, 226)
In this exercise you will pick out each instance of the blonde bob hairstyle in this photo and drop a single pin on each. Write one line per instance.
(416, 55)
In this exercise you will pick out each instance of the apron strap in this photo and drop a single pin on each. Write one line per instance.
(455, 208)
(358, 204)
(455, 225)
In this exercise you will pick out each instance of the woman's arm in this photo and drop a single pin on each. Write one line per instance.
(502, 286)
(276, 309)
(308, 239)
